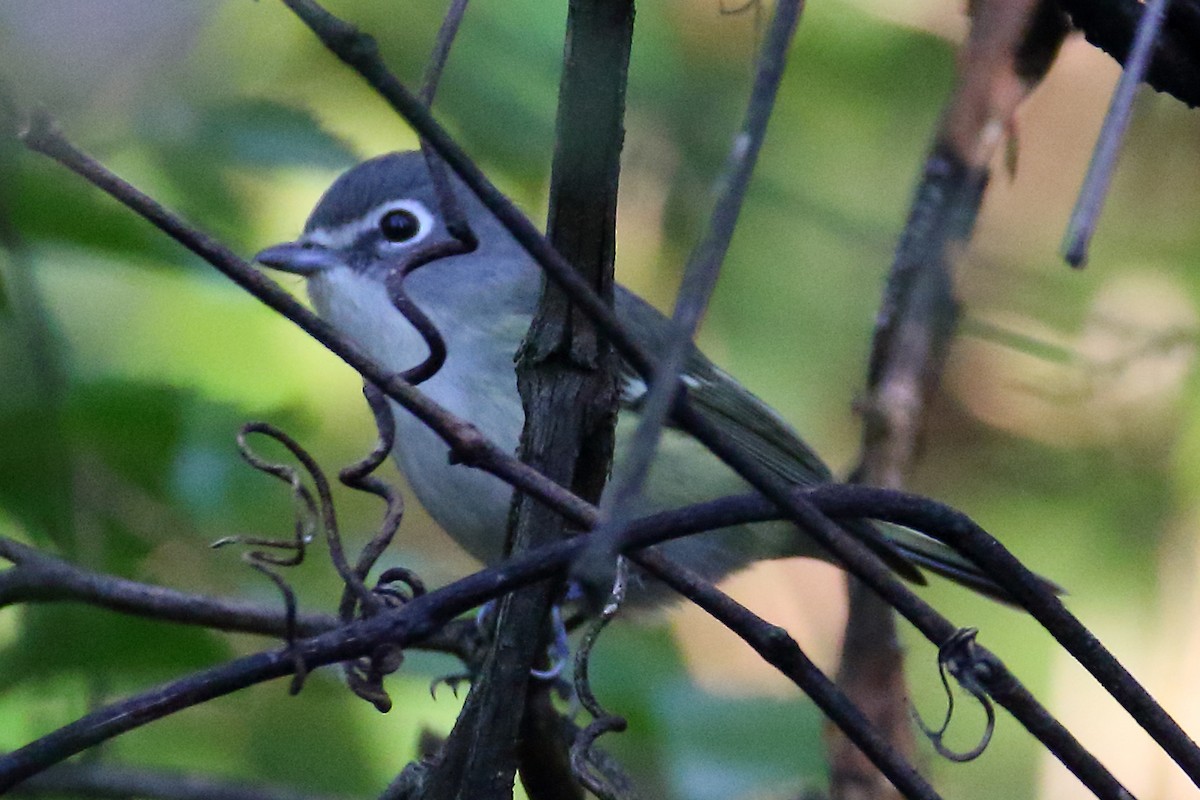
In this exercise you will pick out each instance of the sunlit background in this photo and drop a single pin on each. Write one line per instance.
(1069, 424)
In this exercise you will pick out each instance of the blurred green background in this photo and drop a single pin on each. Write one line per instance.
(1068, 426)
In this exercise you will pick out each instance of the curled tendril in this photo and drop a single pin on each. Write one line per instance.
(400, 585)
(265, 562)
(462, 241)
(324, 504)
(365, 676)
(359, 476)
(583, 763)
(959, 658)
(365, 679)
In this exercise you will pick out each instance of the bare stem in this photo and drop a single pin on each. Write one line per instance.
(1092, 195)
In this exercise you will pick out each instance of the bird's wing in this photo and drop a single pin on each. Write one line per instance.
(715, 394)
(748, 421)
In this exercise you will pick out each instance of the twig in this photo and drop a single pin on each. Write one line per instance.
(39, 577)
(582, 763)
(358, 476)
(365, 677)
(781, 651)
(441, 50)
(1010, 47)
(1094, 192)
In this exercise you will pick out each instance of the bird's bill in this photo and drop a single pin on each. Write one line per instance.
(299, 258)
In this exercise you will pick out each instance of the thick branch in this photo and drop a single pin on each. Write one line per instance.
(566, 377)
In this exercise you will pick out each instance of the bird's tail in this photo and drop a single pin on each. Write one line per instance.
(930, 554)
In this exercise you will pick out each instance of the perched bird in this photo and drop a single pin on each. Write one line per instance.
(376, 214)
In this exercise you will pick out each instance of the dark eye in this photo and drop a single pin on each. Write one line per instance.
(399, 225)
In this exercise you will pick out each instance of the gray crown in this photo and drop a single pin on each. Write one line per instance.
(372, 182)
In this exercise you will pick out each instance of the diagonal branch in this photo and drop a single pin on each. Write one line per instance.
(781, 651)
(1086, 214)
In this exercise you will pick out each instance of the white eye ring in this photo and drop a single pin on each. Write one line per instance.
(347, 234)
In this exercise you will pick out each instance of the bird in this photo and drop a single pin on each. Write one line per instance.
(377, 214)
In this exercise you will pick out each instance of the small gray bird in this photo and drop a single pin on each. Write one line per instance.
(365, 225)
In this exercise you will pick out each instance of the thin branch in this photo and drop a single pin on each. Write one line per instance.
(1010, 47)
(1086, 215)
(441, 50)
(603, 721)
(359, 476)
(38, 577)
(782, 652)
